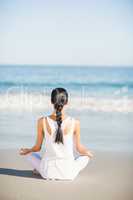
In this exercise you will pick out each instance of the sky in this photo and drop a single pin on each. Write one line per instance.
(70, 32)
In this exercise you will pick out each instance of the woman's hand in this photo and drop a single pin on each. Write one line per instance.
(24, 151)
(90, 154)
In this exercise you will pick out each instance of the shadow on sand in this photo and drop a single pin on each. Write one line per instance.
(20, 173)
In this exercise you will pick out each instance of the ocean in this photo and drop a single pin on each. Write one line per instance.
(100, 97)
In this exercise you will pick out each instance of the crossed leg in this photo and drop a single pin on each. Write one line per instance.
(82, 161)
(34, 159)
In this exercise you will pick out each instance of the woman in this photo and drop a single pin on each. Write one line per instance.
(62, 134)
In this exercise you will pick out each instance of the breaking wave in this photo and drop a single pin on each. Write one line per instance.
(31, 102)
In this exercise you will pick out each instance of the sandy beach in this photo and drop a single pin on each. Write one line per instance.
(108, 176)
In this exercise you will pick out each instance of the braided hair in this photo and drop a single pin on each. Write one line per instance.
(59, 97)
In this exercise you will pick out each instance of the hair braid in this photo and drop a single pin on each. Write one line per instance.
(59, 135)
(59, 98)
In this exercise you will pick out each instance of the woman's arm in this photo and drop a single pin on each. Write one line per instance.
(79, 147)
(40, 136)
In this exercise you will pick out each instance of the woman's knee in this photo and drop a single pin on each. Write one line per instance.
(85, 159)
(36, 155)
(33, 155)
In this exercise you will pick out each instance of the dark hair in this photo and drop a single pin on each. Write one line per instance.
(59, 97)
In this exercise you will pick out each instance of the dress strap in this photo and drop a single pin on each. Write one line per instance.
(50, 124)
(47, 127)
(44, 125)
(73, 123)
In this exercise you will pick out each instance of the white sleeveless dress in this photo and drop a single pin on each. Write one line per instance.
(58, 161)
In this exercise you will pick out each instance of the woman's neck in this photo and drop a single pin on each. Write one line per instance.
(53, 115)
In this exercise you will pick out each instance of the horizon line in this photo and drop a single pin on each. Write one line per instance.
(64, 65)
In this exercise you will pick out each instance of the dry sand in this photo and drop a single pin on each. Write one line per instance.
(109, 176)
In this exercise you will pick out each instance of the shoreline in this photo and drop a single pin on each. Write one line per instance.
(108, 176)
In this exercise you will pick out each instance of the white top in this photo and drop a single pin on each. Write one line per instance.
(58, 160)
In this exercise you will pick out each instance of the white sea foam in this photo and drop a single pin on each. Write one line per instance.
(31, 102)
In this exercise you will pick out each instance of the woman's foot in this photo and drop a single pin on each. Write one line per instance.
(35, 172)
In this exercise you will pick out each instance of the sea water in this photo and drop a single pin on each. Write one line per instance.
(100, 97)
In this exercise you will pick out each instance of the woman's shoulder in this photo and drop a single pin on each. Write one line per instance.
(76, 120)
(40, 120)
(76, 123)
